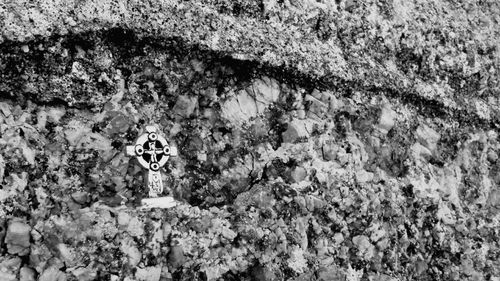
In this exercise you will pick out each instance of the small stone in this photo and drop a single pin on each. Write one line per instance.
(332, 273)
(135, 227)
(365, 248)
(335, 104)
(298, 174)
(84, 274)
(363, 176)
(18, 238)
(301, 114)
(228, 233)
(494, 199)
(445, 215)
(420, 267)
(201, 156)
(66, 254)
(5, 276)
(317, 108)
(176, 257)
(134, 255)
(314, 203)
(9, 268)
(78, 70)
(329, 151)
(420, 152)
(123, 218)
(387, 119)
(377, 235)
(240, 108)
(55, 115)
(119, 124)
(263, 273)
(297, 262)
(383, 244)
(266, 91)
(492, 156)
(167, 229)
(259, 128)
(80, 197)
(151, 273)
(70, 21)
(52, 274)
(185, 106)
(27, 274)
(427, 137)
(338, 238)
(294, 131)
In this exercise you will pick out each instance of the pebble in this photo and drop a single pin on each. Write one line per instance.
(363, 176)
(176, 257)
(135, 227)
(266, 90)
(239, 109)
(185, 106)
(84, 274)
(151, 273)
(18, 238)
(66, 254)
(494, 199)
(338, 238)
(331, 273)
(366, 249)
(123, 218)
(5, 276)
(9, 268)
(167, 229)
(387, 119)
(492, 156)
(228, 233)
(27, 274)
(298, 174)
(427, 137)
(52, 274)
(317, 108)
(134, 255)
(119, 124)
(80, 197)
(263, 273)
(294, 131)
(330, 151)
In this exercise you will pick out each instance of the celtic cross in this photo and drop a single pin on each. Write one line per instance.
(152, 152)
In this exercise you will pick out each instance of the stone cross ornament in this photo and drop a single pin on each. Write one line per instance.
(153, 151)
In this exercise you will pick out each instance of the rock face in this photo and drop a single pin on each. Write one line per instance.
(318, 140)
(18, 238)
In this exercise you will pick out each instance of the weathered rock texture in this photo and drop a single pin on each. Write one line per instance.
(351, 140)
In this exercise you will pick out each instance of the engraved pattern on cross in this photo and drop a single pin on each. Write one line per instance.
(153, 151)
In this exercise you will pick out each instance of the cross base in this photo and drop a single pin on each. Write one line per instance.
(158, 202)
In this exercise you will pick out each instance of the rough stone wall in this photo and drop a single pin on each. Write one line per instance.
(352, 140)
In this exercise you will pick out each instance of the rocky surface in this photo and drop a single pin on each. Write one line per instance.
(352, 140)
